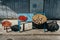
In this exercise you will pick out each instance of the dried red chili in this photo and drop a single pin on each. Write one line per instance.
(6, 24)
(22, 18)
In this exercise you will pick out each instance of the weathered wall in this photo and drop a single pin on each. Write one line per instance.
(52, 9)
(39, 5)
(10, 8)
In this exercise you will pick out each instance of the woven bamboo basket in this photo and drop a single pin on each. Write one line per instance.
(39, 19)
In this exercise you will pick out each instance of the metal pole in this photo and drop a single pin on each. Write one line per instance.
(44, 14)
(23, 26)
(19, 24)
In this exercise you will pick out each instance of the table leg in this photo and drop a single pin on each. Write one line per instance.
(23, 26)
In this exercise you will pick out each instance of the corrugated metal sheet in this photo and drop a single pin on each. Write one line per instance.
(52, 9)
(10, 8)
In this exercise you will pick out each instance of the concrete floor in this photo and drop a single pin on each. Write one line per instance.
(31, 35)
